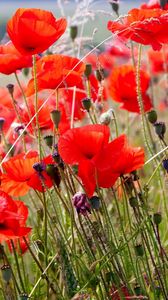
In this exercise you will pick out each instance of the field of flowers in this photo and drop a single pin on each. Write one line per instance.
(84, 155)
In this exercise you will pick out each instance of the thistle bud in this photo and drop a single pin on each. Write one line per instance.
(73, 32)
(157, 218)
(86, 102)
(56, 117)
(49, 140)
(10, 88)
(152, 116)
(139, 250)
(80, 201)
(6, 272)
(160, 129)
(88, 70)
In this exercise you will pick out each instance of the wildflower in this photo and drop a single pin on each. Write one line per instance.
(80, 201)
(56, 70)
(33, 30)
(99, 161)
(13, 217)
(123, 89)
(12, 60)
(144, 26)
(155, 4)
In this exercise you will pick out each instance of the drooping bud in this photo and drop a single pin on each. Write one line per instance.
(86, 102)
(88, 70)
(10, 88)
(2, 121)
(80, 201)
(6, 272)
(56, 117)
(95, 202)
(160, 129)
(115, 5)
(49, 140)
(73, 32)
(157, 218)
(139, 250)
(152, 116)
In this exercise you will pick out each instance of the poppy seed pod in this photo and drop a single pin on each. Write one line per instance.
(10, 88)
(73, 32)
(49, 140)
(56, 117)
(86, 102)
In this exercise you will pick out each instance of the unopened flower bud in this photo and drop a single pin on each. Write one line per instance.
(152, 116)
(86, 102)
(139, 250)
(157, 218)
(2, 121)
(95, 202)
(88, 70)
(160, 129)
(133, 202)
(81, 203)
(53, 172)
(73, 32)
(38, 167)
(106, 117)
(165, 164)
(163, 3)
(115, 5)
(6, 272)
(10, 88)
(23, 296)
(56, 117)
(56, 157)
(100, 74)
(49, 140)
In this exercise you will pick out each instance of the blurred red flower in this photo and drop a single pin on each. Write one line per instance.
(20, 175)
(153, 4)
(144, 26)
(157, 60)
(33, 30)
(19, 244)
(123, 89)
(12, 60)
(56, 71)
(13, 217)
(99, 161)
(119, 295)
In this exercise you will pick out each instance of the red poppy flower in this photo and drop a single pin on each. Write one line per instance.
(33, 30)
(144, 26)
(99, 161)
(13, 216)
(122, 88)
(153, 4)
(56, 71)
(19, 244)
(19, 174)
(11, 60)
(157, 60)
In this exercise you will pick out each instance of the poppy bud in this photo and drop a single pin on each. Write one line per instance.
(6, 272)
(133, 202)
(2, 121)
(86, 102)
(10, 88)
(163, 3)
(53, 172)
(160, 129)
(81, 203)
(165, 164)
(56, 157)
(139, 250)
(49, 140)
(115, 6)
(106, 117)
(95, 202)
(157, 218)
(23, 296)
(100, 74)
(88, 70)
(152, 116)
(56, 117)
(73, 32)
(137, 290)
